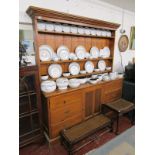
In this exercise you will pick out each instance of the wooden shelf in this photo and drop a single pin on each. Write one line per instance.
(83, 75)
(73, 34)
(69, 61)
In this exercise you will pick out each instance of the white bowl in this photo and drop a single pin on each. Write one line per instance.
(93, 81)
(106, 78)
(108, 68)
(83, 72)
(94, 76)
(66, 74)
(62, 86)
(120, 76)
(44, 77)
(74, 83)
(62, 83)
(48, 86)
(83, 80)
(96, 69)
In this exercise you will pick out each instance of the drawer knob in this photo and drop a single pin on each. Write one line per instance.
(64, 102)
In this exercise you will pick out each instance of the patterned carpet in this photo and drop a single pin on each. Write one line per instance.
(57, 149)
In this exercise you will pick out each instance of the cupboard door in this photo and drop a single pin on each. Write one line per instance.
(89, 99)
(97, 102)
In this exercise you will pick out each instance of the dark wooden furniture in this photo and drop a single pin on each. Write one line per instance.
(29, 106)
(65, 108)
(77, 133)
(120, 107)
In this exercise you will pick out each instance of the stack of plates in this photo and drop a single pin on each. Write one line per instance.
(45, 53)
(66, 28)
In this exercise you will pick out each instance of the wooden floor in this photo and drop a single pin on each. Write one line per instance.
(57, 149)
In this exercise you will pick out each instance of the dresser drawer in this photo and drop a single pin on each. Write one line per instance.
(67, 111)
(65, 124)
(111, 96)
(113, 85)
(65, 99)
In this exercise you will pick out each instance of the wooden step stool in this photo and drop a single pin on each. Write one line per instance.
(120, 107)
(77, 133)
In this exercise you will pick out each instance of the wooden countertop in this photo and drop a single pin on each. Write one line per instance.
(58, 92)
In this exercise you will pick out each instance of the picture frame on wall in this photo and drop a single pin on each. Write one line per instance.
(132, 38)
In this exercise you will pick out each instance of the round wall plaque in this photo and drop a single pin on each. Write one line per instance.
(123, 43)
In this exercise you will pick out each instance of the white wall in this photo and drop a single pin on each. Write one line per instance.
(88, 8)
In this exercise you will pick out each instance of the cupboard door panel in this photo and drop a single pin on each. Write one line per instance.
(97, 103)
(89, 104)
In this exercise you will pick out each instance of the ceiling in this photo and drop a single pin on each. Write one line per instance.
(125, 4)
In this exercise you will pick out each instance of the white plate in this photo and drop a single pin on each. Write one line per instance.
(99, 32)
(89, 67)
(63, 52)
(87, 31)
(102, 65)
(55, 70)
(66, 28)
(74, 68)
(94, 51)
(80, 52)
(50, 26)
(74, 29)
(93, 32)
(80, 30)
(45, 53)
(104, 33)
(108, 34)
(58, 27)
(48, 86)
(106, 50)
(41, 26)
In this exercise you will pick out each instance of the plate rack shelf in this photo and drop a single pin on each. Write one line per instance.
(65, 108)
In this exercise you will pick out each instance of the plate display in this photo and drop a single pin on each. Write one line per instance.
(102, 65)
(94, 51)
(74, 68)
(55, 70)
(63, 52)
(45, 53)
(80, 52)
(89, 67)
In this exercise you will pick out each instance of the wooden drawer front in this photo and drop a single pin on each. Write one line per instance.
(111, 96)
(65, 124)
(65, 99)
(66, 112)
(113, 85)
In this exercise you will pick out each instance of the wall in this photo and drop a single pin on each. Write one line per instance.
(88, 8)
